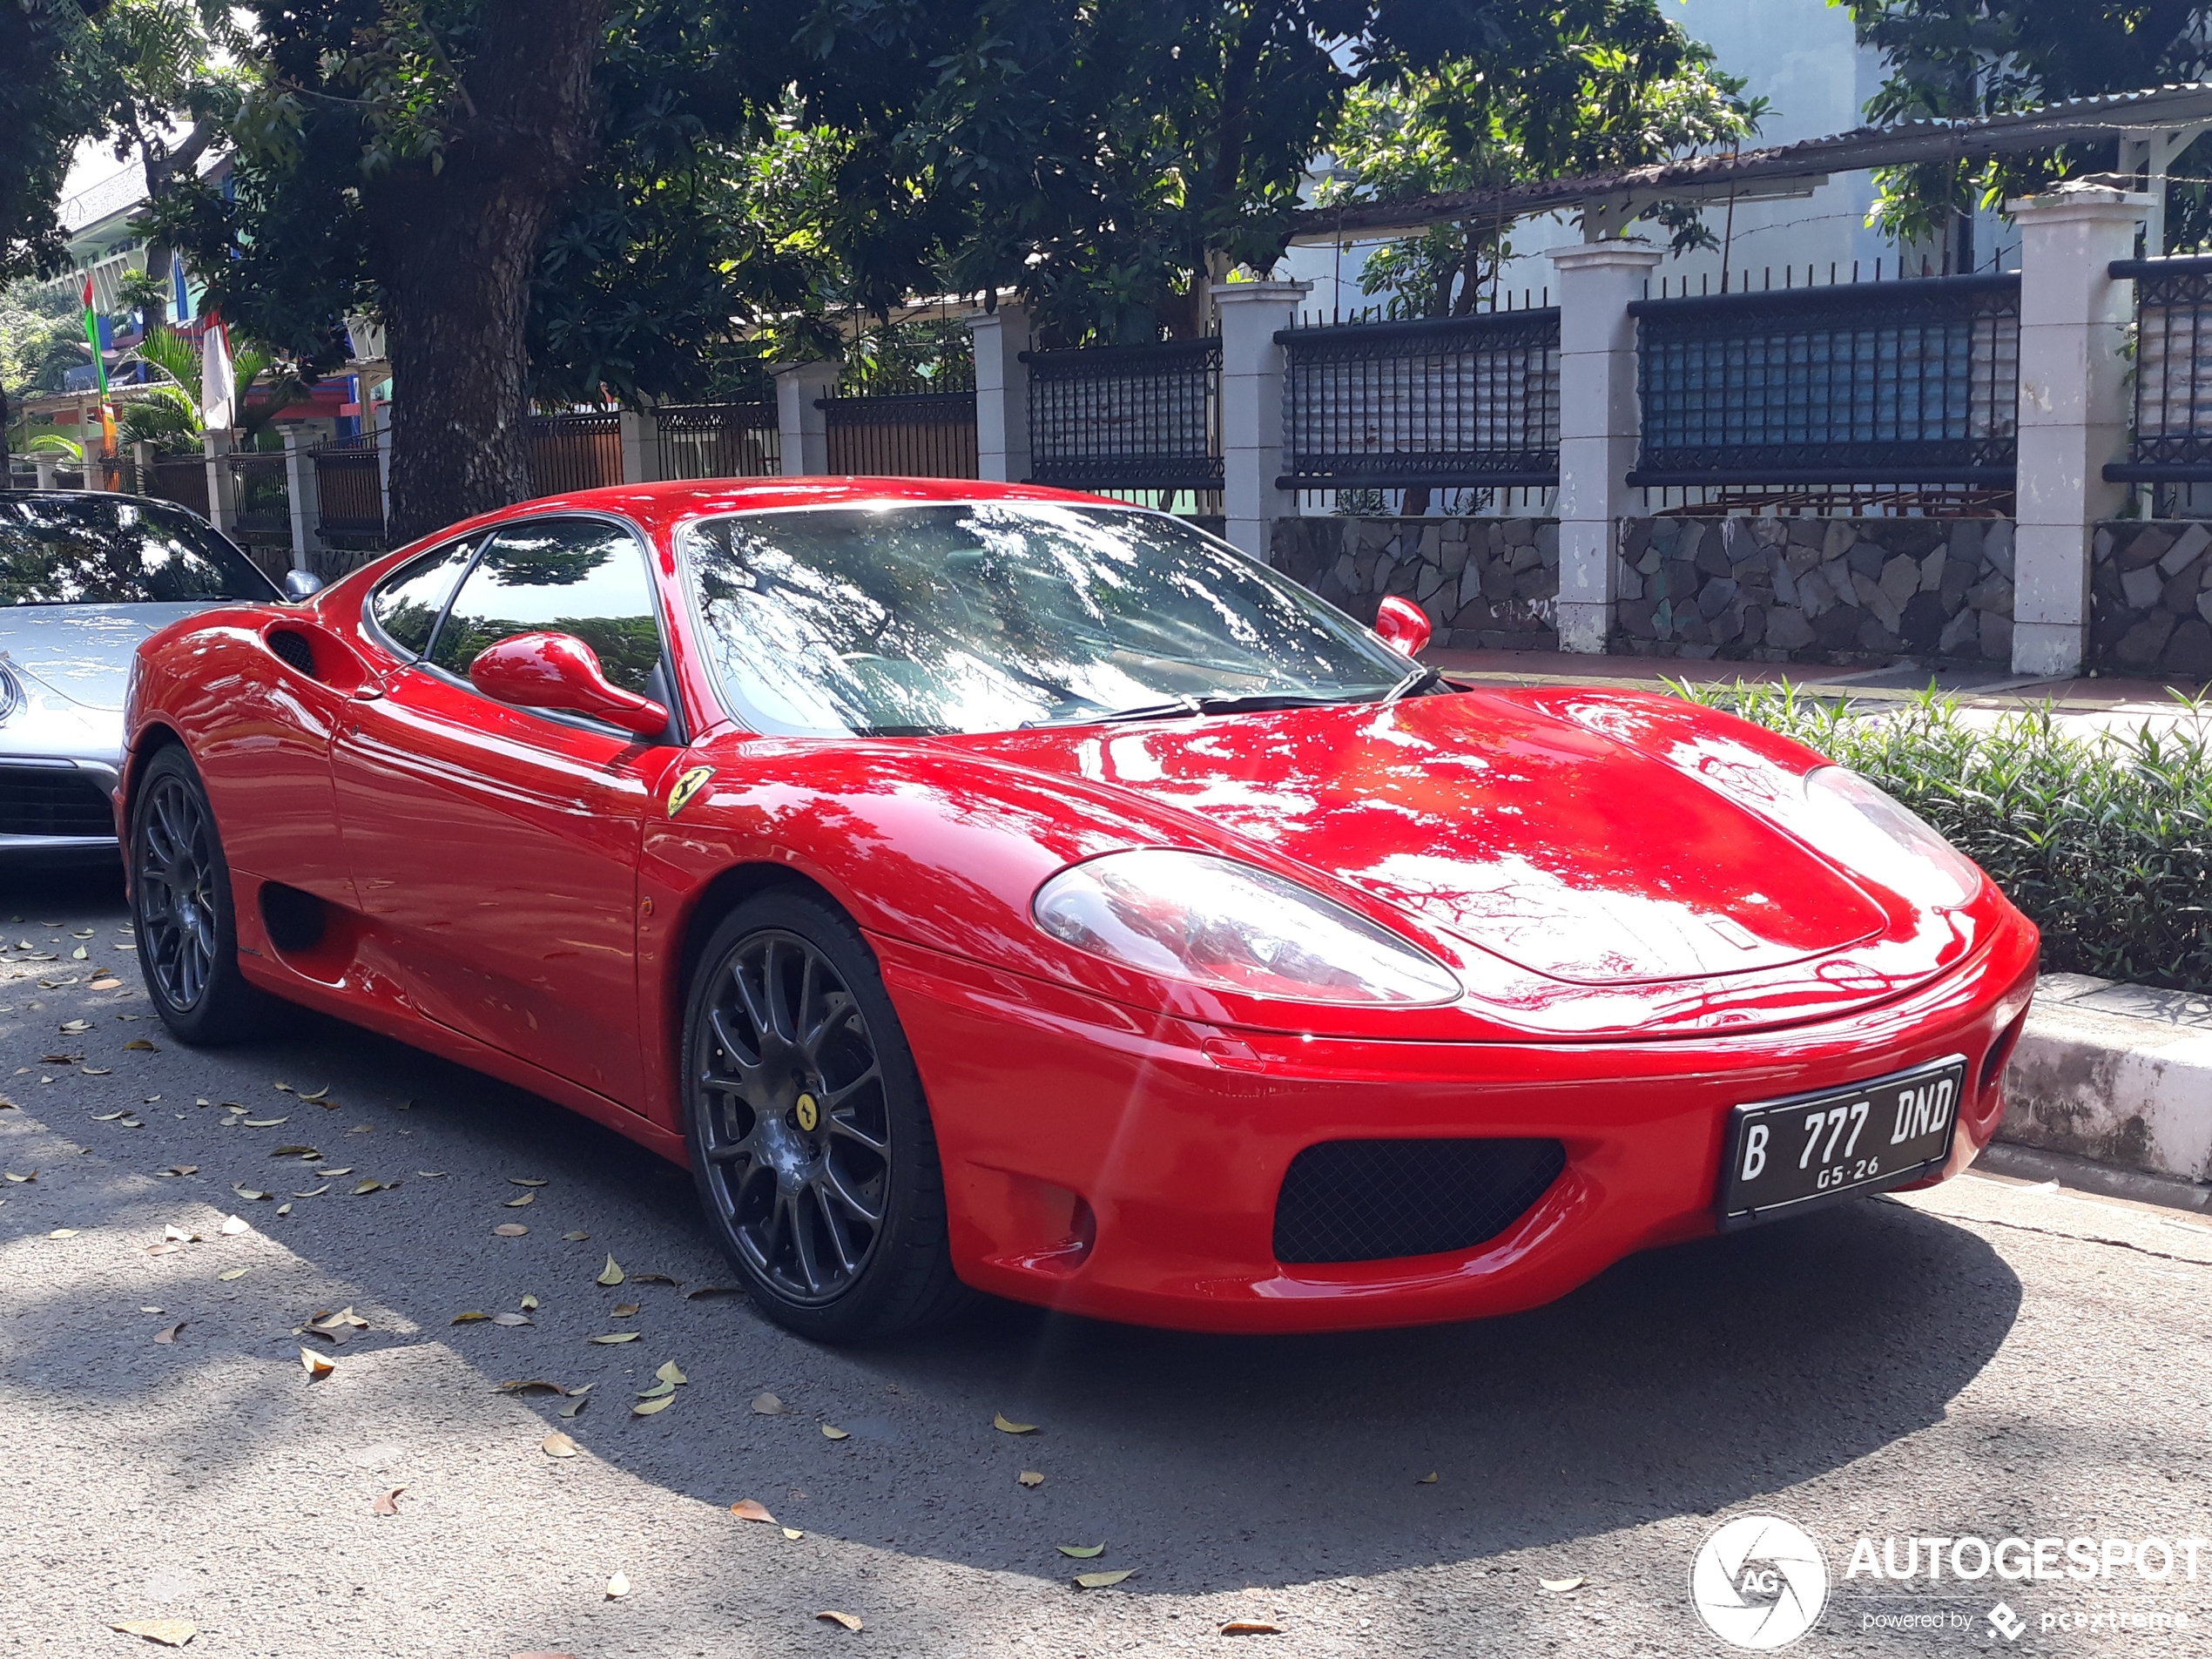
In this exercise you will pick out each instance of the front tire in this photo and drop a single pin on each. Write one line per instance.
(810, 1138)
(182, 912)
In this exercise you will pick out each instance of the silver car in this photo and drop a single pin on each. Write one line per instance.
(83, 578)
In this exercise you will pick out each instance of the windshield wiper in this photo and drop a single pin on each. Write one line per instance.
(1421, 679)
(1186, 707)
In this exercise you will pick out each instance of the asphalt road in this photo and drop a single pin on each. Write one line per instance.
(1991, 1360)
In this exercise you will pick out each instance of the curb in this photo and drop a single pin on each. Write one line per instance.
(2121, 1074)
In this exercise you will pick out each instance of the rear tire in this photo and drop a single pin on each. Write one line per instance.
(810, 1139)
(182, 910)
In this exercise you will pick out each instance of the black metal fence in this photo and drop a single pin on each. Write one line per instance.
(182, 479)
(571, 452)
(349, 489)
(907, 434)
(1449, 401)
(1127, 417)
(1911, 382)
(264, 496)
(718, 440)
(2172, 440)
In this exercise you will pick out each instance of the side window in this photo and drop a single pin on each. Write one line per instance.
(406, 603)
(566, 576)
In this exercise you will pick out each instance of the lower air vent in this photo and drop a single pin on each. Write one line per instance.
(59, 800)
(1363, 1201)
(294, 649)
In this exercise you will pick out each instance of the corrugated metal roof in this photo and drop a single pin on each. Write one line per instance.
(1753, 173)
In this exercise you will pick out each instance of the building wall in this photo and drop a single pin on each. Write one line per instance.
(1486, 584)
(2150, 599)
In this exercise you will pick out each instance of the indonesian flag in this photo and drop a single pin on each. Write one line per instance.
(218, 382)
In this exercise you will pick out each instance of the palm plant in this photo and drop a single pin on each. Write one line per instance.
(278, 379)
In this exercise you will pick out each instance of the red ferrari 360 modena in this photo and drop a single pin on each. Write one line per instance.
(990, 887)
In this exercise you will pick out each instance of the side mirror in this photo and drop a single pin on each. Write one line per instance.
(1402, 624)
(302, 584)
(547, 671)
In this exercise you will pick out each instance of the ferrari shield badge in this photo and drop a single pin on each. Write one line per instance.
(689, 784)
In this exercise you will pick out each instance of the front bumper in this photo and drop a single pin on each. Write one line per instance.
(1105, 1162)
(56, 809)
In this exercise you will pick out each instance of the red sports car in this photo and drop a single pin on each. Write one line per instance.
(996, 888)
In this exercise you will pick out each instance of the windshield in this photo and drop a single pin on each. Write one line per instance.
(82, 551)
(905, 620)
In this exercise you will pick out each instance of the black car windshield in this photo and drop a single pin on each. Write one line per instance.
(84, 550)
(903, 620)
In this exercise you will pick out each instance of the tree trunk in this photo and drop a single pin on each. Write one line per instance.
(458, 248)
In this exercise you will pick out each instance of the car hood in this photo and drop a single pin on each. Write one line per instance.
(82, 653)
(1561, 850)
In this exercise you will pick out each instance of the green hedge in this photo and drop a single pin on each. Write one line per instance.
(2104, 840)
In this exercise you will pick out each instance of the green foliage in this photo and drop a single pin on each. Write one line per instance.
(42, 335)
(162, 415)
(2105, 842)
(1966, 57)
(1556, 89)
(48, 101)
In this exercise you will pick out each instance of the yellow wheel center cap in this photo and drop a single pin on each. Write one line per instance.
(809, 1115)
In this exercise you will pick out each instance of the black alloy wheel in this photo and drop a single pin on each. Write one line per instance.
(181, 912)
(810, 1140)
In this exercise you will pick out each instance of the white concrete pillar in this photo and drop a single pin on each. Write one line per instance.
(640, 447)
(1001, 393)
(2072, 409)
(802, 428)
(44, 466)
(305, 498)
(142, 465)
(222, 487)
(383, 434)
(1253, 364)
(1599, 418)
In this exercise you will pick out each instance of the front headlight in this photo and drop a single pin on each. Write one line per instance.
(11, 694)
(1864, 829)
(1193, 916)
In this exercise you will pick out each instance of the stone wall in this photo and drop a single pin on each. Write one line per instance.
(1841, 591)
(2150, 599)
(1486, 584)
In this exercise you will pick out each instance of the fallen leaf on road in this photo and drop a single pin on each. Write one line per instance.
(647, 1407)
(1030, 1478)
(313, 1192)
(63, 1232)
(557, 1444)
(182, 1169)
(348, 1169)
(706, 1291)
(653, 1278)
(371, 1186)
(622, 1310)
(834, 1617)
(251, 1192)
(611, 1274)
(75, 1026)
(316, 1094)
(577, 1404)
(530, 1302)
(510, 1230)
(1428, 1480)
(512, 1319)
(659, 1390)
(1251, 1627)
(171, 1231)
(231, 1273)
(1082, 1551)
(281, 1087)
(345, 1317)
(574, 1237)
(233, 1225)
(831, 1431)
(98, 1071)
(1101, 1581)
(516, 1203)
(139, 1043)
(767, 1406)
(751, 1509)
(793, 1534)
(432, 1175)
(166, 1337)
(307, 1152)
(105, 1117)
(471, 1317)
(388, 1503)
(617, 1586)
(999, 1422)
(169, 1633)
(264, 1122)
(616, 1336)
(12, 1176)
(285, 1209)
(1561, 1586)
(672, 1373)
(523, 1180)
(314, 1365)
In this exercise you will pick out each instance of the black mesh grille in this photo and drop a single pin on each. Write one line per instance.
(36, 801)
(1361, 1200)
(294, 649)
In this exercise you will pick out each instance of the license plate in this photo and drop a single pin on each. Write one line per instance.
(1784, 1155)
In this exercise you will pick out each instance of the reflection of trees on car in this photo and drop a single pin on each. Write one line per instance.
(78, 552)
